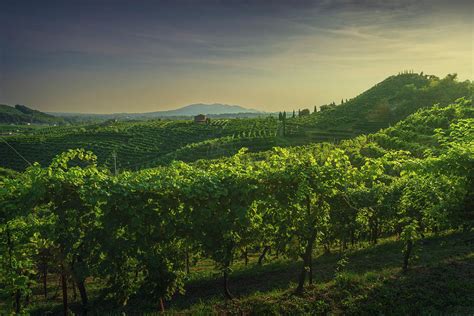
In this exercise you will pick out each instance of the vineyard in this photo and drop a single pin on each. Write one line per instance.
(138, 145)
(329, 227)
(381, 106)
(236, 157)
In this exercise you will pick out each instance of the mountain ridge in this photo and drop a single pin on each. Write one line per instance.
(187, 110)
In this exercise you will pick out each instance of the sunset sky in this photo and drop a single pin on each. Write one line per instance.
(139, 56)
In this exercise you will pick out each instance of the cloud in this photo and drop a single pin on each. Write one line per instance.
(222, 45)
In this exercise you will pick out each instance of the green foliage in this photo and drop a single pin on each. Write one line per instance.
(384, 104)
(140, 145)
(7, 173)
(304, 112)
(149, 144)
(20, 114)
(133, 231)
(440, 283)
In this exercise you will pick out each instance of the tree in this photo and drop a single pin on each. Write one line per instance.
(304, 112)
(324, 107)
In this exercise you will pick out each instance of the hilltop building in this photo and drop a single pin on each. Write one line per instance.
(201, 118)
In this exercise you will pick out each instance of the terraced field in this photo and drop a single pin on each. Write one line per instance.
(135, 145)
(138, 144)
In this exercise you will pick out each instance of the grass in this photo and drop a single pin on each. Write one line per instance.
(440, 281)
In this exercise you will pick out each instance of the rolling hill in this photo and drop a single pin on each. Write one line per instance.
(158, 142)
(361, 278)
(382, 105)
(200, 108)
(215, 109)
(20, 114)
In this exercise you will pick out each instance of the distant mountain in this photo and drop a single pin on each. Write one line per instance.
(200, 108)
(20, 114)
(216, 109)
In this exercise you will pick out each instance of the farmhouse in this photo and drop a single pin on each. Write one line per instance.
(201, 118)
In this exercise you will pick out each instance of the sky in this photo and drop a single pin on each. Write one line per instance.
(105, 56)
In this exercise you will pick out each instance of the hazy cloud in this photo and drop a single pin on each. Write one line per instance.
(109, 55)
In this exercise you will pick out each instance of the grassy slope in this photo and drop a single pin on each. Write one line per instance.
(441, 280)
(21, 114)
(382, 105)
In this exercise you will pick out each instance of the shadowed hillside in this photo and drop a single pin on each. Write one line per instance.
(20, 114)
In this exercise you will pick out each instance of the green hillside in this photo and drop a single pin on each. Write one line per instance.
(381, 223)
(419, 134)
(20, 114)
(151, 143)
(136, 144)
(382, 105)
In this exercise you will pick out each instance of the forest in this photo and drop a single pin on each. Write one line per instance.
(76, 235)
